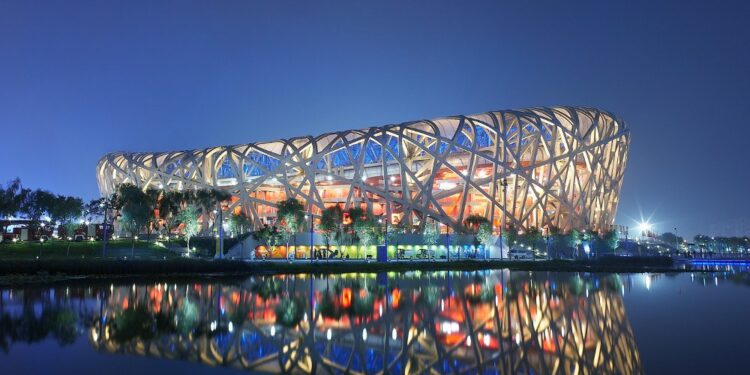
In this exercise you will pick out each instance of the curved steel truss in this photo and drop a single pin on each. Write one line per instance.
(561, 166)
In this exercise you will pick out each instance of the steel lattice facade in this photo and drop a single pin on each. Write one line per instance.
(562, 166)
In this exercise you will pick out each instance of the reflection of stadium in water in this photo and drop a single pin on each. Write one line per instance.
(414, 323)
(358, 325)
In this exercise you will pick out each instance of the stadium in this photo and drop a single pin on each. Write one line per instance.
(537, 167)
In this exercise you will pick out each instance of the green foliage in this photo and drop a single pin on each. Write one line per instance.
(267, 235)
(188, 217)
(355, 214)
(511, 235)
(484, 234)
(12, 197)
(331, 224)
(396, 231)
(574, 238)
(473, 222)
(532, 237)
(610, 238)
(430, 235)
(670, 238)
(36, 204)
(367, 230)
(65, 209)
(291, 214)
(206, 200)
(135, 206)
(239, 223)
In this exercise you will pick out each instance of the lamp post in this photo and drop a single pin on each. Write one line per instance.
(105, 205)
(312, 229)
(504, 184)
(448, 242)
(221, 231)
(41, 241)
(385, 237)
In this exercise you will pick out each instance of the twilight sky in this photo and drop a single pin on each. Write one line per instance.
(79, 79)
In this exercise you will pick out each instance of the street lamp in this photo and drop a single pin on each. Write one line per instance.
(104, 204)
(547, 235)
(385, 237)
(504, 184)
(312, 229)
(644, 227)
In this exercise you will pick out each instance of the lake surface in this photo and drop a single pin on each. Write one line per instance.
(439, 322)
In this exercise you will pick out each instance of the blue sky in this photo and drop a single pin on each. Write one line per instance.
(82, 78)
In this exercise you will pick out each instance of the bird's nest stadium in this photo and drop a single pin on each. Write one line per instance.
(538, 167)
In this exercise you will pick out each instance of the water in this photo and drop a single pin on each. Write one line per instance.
(470, 322)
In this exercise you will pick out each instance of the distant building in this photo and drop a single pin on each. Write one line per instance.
(560, 166)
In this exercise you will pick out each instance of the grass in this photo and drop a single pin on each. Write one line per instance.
(57, 249)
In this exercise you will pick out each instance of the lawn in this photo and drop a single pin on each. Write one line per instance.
(57, 249)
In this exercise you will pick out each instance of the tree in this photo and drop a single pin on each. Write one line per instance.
(36, 204)
(430, 235)
(671, 239)
(239, 223)
(574, 240)
(66, 211)
(152, 200)
(395, 231)
(268, 236)
(473, 222)
(365, 229)
(207, 200)
(291, 214)
(169, 205)
(610, 240)
(558, 241)
(136, 209)
(511, 235)
(12, 197)
(330, 224)
(532, 237)
(606, 242)
(484, 234)
(188, 218)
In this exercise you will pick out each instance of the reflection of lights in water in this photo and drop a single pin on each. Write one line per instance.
(716, 281)
(536, 321)
(449, 327)
(647, 281)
